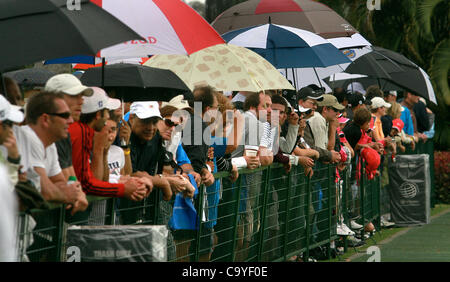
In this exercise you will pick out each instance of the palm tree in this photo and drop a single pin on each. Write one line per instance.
(417, 29)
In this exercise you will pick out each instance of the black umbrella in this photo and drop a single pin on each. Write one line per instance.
(412, 79)
(46, 29)
(30, 77)
(136, 82)
(374, 65)
(391, 71)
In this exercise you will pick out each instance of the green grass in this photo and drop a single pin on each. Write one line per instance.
(380, 236)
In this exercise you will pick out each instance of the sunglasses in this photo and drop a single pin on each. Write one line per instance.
(170, 123)
(65, 115)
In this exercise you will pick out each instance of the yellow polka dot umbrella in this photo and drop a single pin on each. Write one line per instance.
(226, 67)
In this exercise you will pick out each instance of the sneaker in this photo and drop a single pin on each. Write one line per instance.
(340, 231)
(354, 225)
(349, 231)
(385, 223)
(354, 242)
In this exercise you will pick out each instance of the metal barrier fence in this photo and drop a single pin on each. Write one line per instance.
(266, 215)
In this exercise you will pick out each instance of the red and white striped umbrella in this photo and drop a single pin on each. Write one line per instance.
(169, 27)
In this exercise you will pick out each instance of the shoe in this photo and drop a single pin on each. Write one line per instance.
(354, 242)
(366, 236)
(354, 225)
(349, 231)
(385, 223)
(343, 231)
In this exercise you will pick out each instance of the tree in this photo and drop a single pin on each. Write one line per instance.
(199, 7)
(418, 29)
(216, 7)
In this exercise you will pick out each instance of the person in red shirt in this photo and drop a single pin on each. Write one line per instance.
(94, 115)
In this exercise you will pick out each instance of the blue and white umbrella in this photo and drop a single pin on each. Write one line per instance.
(287, 47)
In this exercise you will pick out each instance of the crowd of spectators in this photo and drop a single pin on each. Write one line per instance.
(171, 148)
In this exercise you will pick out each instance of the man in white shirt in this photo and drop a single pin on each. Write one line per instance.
(48, 118)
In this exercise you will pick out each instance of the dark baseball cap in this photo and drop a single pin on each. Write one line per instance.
(308, 92)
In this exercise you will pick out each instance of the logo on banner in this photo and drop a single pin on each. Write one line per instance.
(408, 190)
(349, 53)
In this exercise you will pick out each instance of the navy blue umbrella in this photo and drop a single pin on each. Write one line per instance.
(287, 47)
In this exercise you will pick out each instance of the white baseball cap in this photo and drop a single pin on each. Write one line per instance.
(144, 110)
(98, 101)
(303, 110)
(68, 84)
(177, 102)
(9, 112)
(393, 93)
(379, 102)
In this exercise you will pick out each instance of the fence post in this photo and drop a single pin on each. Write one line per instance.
(235, 228)
(60, 233)
(308, 203)
(263, 212)
(344, 204)
(286, 220)
(362, 184)
(330, 185)
(201, 198)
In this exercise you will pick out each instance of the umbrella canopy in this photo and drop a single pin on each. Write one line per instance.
(287, 47)
(226, 67)
(45, 29)
(349, 46)
(304, 14)
(402, 74)
(167, 26)
(30, 77)
(139, 82)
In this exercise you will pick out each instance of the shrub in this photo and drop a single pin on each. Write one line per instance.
(442, 176)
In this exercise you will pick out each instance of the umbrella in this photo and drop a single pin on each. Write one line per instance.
(414, 79)
(287, 47)
(44, 29)
(30, 77)
(391, 71)
(137, 82)
(304, 14)
(352, 47)
(168, 27)
(226, 67)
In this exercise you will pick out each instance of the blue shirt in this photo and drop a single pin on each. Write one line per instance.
(407, 120)
(181, 156)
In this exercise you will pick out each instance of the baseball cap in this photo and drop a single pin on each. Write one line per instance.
(177, 102)
(98, 101)
(144, 110)
(393, 92)
(356, 87)
(68, 84)
(379, 102)
(330, 101)
(9, 112)
(398, 124)
(342, 119)
(310, 93)
(303, 110)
